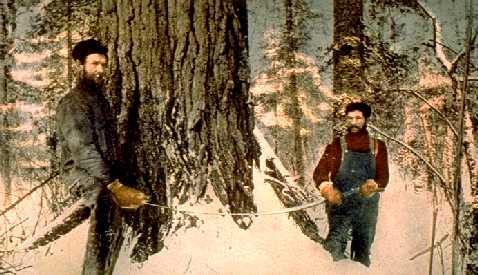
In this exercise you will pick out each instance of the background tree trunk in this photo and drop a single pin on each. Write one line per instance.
(6, 12)
(348, 48)
(179, 89)
(292, 90)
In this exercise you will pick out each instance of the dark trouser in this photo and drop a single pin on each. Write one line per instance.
(104, 237)
(361, 219)
(104, 233)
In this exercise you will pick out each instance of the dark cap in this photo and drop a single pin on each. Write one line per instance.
(86, 47)
(359, 106)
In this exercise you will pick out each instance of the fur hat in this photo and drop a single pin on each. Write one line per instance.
(86, 47)
(359, 106)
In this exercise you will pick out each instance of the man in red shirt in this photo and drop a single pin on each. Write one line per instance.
(354, 162)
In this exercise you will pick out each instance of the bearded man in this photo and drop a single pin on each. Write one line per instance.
(89, 158)
(354, 164)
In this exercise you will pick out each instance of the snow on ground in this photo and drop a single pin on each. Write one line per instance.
(404, 229)
(64, 257)
(272, 245)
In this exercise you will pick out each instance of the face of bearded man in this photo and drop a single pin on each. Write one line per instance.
(93, 72)
(355, 121)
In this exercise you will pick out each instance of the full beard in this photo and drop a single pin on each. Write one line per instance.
(93, 81)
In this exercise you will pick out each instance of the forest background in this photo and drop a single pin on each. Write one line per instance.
(278, 69)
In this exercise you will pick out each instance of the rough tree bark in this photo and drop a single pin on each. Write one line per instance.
(348, 48)
(459, 252)
(6, 12)
(179, 88)
(471, 213)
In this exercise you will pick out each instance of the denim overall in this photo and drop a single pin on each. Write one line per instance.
(355, 213)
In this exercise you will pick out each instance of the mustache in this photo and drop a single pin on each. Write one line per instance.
(355, 127)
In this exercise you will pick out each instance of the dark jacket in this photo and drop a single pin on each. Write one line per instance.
(87, 135)
(331, 158)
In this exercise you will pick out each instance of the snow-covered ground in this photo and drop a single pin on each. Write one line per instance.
(273, 244)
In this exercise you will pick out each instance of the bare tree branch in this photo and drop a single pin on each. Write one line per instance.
(437, 36)
(438, 41)
(419, 156)
(52, 176)
(415, 93)
(415, 152)
(428, 249)
(13, 227)
(461, 55)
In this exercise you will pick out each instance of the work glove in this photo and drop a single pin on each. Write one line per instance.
(126, 197)
(331, 194)
(368, 188)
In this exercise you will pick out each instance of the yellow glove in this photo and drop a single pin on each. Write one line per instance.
(332, 195)
(369, 188)
(127, 197)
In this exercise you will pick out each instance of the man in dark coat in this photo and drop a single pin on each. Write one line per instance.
(87, 136)
(359, 162)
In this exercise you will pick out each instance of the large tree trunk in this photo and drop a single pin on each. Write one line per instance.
(179, 87)
(348, 47)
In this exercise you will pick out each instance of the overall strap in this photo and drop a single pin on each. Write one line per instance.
(343, 147)
(372, 145)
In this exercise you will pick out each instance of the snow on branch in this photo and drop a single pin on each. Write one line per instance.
(438, 40)
(437, 37)
(421, 97)
(428, 164)
(268, 153)
(419, 156)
